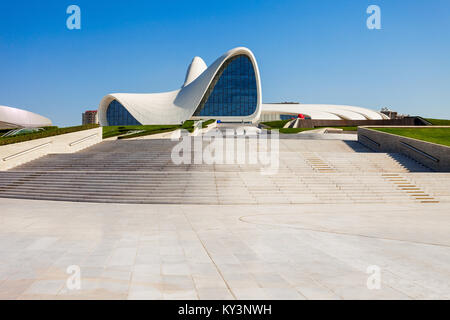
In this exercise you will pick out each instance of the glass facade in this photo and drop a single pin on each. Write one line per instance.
(117, 115)
(233, 91)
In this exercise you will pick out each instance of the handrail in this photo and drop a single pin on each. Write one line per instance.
(83, 139)
(26, 151)
(423, 153)
(371, 140)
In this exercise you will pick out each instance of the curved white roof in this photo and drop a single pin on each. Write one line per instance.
(195, 69)
(323, 111)
(17, 118)
(178, 106)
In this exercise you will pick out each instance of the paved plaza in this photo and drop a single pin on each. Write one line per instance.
(140, 227)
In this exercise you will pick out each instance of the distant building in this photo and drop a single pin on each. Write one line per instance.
(90, 117)
(391, 114)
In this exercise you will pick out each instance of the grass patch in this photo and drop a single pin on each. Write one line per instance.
(207, 123)
(344, 128)
(281, 123)
(435, 135)
(298, 130)
(114, 131)
(188, 125)
(121, 131)
(3, 131)
(291, 130)
(294, 130)
(26, 133)
(159, 129)
(276, 124)
(438, 122)
(48, 132)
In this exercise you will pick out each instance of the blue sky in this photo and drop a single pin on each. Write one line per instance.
(315, 51)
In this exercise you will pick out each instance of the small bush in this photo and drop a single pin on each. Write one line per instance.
(207, 123)
(188, 124)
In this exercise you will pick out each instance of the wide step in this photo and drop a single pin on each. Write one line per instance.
(309, 172)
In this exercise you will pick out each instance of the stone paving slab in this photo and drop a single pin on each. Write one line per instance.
(309, 251)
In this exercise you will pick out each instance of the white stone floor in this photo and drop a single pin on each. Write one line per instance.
(308, 251)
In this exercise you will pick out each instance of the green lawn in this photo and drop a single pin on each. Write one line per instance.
(108, 132)
(435, 135)
(280, 124)
(4, 131)
(147, 133)
(276, 124)
(188, 125)
(343, 128)
(297, 130)
(48, 132)
(294, 130)
(121, 131)
(291, 130)
(114, 131)
(438, 122)
(207, 123)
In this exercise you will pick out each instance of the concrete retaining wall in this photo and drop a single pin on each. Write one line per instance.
(16, 154)
(408, 121)
(434, 156)
(309, 123)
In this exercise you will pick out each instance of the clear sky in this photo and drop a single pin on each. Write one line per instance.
(314, 51)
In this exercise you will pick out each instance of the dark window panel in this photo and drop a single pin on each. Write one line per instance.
(117, 115)
(233, 92)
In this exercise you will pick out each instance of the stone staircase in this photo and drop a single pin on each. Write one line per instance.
(141, 171)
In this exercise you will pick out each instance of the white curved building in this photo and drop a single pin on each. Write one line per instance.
(227, 90)
(283, 111)
(12, 118)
